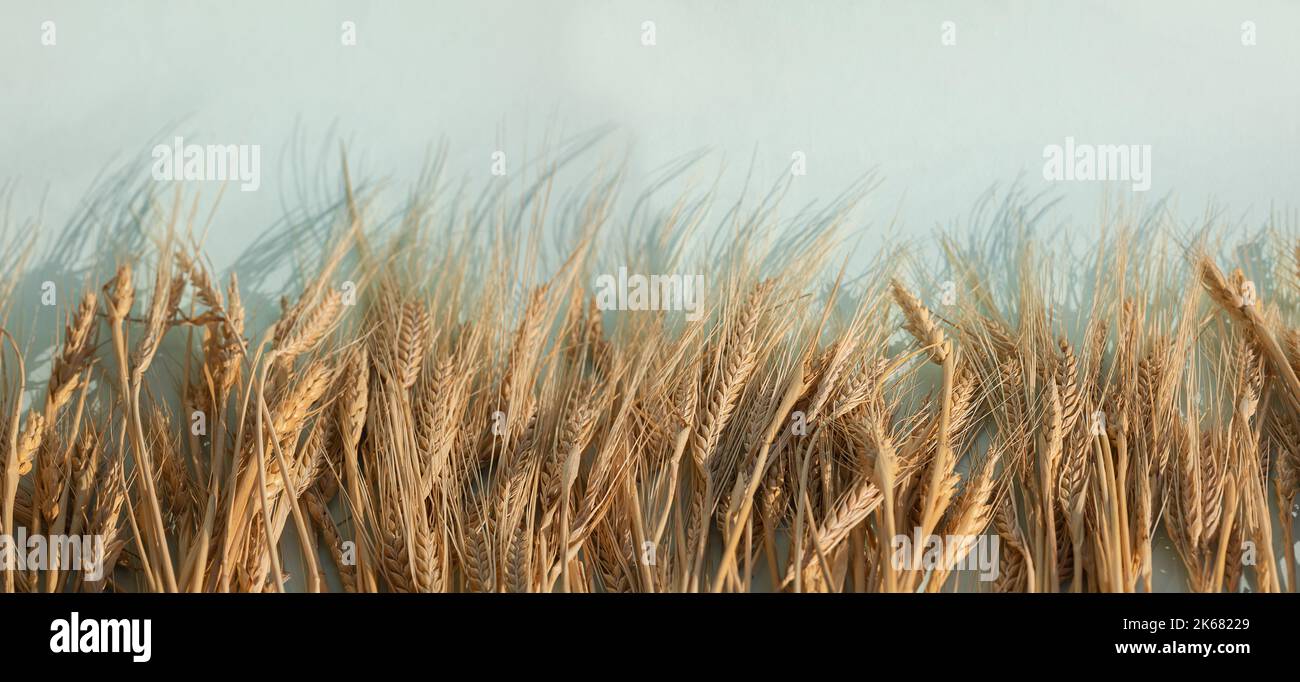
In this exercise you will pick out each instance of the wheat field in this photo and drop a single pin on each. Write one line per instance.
(443, 406)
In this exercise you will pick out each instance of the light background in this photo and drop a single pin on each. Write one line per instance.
(854, 85)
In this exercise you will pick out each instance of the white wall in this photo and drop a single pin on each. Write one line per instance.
(854, 85)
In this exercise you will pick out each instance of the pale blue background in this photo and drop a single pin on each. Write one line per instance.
(855, 85)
